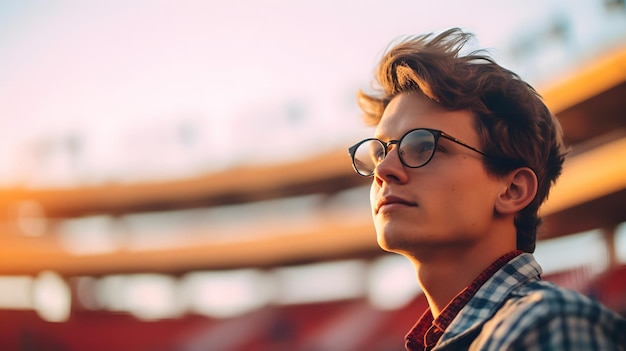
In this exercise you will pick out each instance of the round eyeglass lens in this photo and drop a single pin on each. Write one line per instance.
(368, 155)
(417, 148)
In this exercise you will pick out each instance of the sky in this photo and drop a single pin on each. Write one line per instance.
(127, 91)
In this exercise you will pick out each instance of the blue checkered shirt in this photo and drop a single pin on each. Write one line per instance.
(515, 310)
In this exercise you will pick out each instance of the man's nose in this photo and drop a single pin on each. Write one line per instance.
(391, 169)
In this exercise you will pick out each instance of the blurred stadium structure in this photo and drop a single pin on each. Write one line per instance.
(282, 256)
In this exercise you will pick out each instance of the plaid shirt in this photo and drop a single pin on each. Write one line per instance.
(515, 310)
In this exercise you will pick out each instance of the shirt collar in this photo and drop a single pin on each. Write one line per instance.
(494, 292)
(428, 331)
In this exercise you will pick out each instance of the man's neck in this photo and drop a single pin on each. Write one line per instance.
(445, 273)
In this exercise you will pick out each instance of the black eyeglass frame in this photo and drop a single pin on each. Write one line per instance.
(437, 134)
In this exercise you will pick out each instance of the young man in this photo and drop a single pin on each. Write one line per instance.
(464, 154)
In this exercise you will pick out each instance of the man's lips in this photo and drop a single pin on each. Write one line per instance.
(392, 200)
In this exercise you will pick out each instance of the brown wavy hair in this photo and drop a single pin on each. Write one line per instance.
(515, 126)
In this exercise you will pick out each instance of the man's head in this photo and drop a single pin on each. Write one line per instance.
(515, 128)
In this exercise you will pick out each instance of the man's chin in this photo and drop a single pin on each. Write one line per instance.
(391, 242)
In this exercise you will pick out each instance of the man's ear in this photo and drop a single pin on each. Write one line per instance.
(520, 189)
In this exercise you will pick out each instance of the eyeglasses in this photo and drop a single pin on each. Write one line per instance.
(415, 149)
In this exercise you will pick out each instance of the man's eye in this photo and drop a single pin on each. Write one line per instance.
(424, 147)
(378, 156)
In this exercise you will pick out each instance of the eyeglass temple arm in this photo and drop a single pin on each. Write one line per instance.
(451, 138)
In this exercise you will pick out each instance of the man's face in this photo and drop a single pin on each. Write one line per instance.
(448, 202)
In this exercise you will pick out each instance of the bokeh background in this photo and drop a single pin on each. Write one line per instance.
(174, 174)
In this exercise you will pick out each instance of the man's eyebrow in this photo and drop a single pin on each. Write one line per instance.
(380, 136)
(385, 139)
(385, 136)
